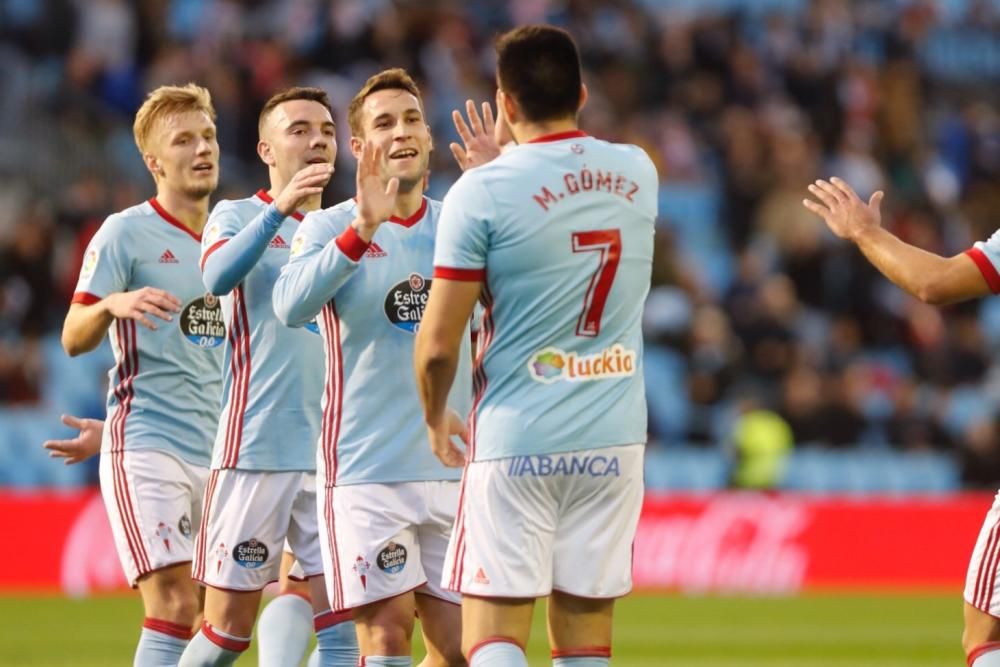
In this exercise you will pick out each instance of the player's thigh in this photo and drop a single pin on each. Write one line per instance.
(240, 544)
(150, 496)
(598, 518)
(169, 594)
(486, 618)
(504, 532)
(434, 534)
(440, 624)
(577, 624)
(369, 542)
(302, 535)
(233, 612)
(978, 628)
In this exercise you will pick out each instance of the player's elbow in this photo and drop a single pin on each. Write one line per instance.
(72, 345)
(936, 292)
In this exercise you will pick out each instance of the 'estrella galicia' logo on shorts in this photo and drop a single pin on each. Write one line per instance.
(564, 465)
(552, 365)
(201, 322)
(184, 526)
(392, 559)
(405, 302)
(250, 554)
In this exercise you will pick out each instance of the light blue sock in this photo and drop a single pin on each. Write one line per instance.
(337, 643)
(497, 653)
(283, 631)
(581, 661)
(314, 659)
(158, 648)
(388, 661)
(213, 648)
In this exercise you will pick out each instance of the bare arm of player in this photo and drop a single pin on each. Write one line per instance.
(85, 325)
(436, 351)
(80, 448)
(376, 199)
(927, 276)
(482, 138)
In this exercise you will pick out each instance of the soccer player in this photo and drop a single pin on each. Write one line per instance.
(261, 490)
(936, 280)
(556, 238)
(140, 282)
(364, 266)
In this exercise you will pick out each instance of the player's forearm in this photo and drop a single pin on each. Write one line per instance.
(304, 287)
(435, 367)
(918, 272)
(85, 326)
(228, 264)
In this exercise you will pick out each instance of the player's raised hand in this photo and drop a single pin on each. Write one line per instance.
(80, 448)
(376, 198)
(146, 301)
(480, 136)
(441, 443)
(307, 182)
(845, 213)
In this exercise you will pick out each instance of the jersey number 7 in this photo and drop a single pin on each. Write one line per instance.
(607, 242)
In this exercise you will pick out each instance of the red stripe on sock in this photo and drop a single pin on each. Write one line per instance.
(167, 628)
(584, 652)
(330, 618)
(493, 640)
(222, 641)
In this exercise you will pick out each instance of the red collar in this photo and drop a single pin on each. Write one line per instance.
(266, 198)
(172, 220)
(558, 136)
(413, 219)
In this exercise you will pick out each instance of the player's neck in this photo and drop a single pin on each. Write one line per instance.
(525, 132)
(408, 203)
(192, 213)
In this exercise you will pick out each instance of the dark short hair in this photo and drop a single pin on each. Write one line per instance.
(540, 67)
(390, 79)
(289, 94)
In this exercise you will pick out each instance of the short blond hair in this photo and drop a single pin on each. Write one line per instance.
(165, 101)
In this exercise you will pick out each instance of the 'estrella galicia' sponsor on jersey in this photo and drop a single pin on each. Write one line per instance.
(563, 465)
(202, 322)
(405, 302)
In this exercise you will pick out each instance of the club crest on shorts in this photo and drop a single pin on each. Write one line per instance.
(406, 300)
(184, 526)
(361, 567)
(392, 559)
(250, 554)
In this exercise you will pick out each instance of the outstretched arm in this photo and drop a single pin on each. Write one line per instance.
(929, 277)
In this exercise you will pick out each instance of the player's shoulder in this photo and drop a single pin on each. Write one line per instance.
(124, 223)
(627, 152)
(233, 210)
(330, 220)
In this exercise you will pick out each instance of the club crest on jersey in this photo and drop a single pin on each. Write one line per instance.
(405, 302)
(250, 554)
(201, 322)
(89, 263)
(552, 365)
(392, 559)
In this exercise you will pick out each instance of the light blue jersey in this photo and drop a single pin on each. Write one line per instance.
(370, 299)
(560, 232)
(273, 374)
(165, 387)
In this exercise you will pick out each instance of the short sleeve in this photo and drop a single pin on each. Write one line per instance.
(986, 255)
(463, 231)
(106, 265)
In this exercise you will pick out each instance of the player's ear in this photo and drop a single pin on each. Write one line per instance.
(584, 96)
(357, 143)
(153, 165)
(265, 153)
(510, 110)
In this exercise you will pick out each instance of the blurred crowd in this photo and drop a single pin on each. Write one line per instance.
(755, 307)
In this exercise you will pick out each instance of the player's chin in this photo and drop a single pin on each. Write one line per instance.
(201, 190)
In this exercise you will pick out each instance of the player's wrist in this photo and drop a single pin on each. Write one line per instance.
(365, 228)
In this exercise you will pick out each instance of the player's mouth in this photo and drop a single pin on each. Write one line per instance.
(203, 168)
(403, 154)
(319, 159)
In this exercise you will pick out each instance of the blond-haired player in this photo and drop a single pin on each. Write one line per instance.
(140, 282)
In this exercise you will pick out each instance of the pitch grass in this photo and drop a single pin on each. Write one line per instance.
(841, 630)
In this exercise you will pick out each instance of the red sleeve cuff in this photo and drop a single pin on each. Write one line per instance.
(351, 244)
(215, 246)
(86, 298)
(468, 275)
(986, 268)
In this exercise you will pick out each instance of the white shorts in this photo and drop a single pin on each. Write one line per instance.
(247, 517)
(529, 525)
(153, 501)
(982, 585)
(382, 540)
